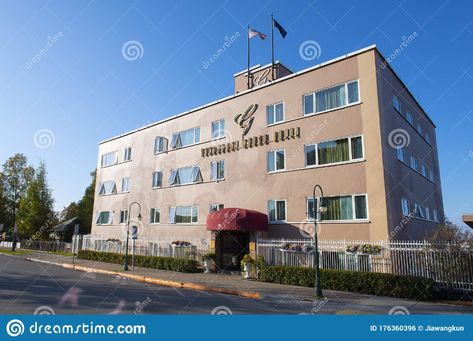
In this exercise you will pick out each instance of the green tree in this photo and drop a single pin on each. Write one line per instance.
(36, 215)
(85, 206)
(16, 176)
(69, 212)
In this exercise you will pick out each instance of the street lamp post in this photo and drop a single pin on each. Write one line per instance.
(125, 265)
(318, 210)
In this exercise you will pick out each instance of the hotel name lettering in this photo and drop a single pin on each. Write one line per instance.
(252, 142)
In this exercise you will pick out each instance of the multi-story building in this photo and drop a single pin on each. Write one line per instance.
(349, 124)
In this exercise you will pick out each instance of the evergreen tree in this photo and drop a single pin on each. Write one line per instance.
(36, 215)
(68, 212)
(85, 207)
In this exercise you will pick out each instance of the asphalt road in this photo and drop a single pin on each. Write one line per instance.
(26, 286)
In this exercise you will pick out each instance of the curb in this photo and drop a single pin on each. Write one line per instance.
(153, 280)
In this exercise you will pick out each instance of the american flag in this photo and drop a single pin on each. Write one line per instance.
(252, 33)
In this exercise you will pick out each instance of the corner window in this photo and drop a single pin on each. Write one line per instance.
(104, 218)
(160, 144)
(157, 179)
(276, 160)
(218, 129)
(275, 113)
(405, 207)
(107, 187)
(276, 210)
(185, 138)
(154, 216)
(183, 214)
(125, 185)
(123, 216)
(127, 154)
(109, 159)
(217, 170)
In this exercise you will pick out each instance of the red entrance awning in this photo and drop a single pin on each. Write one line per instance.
(237, 219)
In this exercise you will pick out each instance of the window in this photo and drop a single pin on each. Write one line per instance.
(276, 160)
(310, 208)
(185, 138)
(160, 144)
(215, 207)
(107, 187)
(413, 163)
(218, 129)
(334, 151)
(125, 184)
(431, 175)
(109, 159)
(127, 154)
(396, 104)
(405, 207)
(183, 214)
(427, 213)
(409, 118)
(331, 98)
(427, 137)
(157, 179)
(275, 113)
(346, 207)
(418, 211)
(401, 154)
(123, 216)
(436, 215)
(423, 170)
(217, 170)
(154, 216)
(104, 218)
(419, 129)
(277, 210)
(185, 175)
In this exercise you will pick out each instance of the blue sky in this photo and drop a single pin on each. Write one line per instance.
(64, 80)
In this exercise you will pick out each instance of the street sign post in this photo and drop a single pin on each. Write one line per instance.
(134, 236)
(74, 237)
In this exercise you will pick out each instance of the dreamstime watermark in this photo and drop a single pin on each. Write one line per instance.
(15, 328)
(406, 41)
(140, 306)
(44, 138)
(310, 50)
(399, 310)
(309, 139)
(51, 41)
(228, 41)
(44, 310)
(43, 229)
(221, 310)
(399, 138)
(132, 50)
(398, 228)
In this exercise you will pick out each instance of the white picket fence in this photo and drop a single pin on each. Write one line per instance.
(145, 248)
(449, 265)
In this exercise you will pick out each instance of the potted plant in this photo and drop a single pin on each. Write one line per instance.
(259, 265)
(207, 259)
(246, 263)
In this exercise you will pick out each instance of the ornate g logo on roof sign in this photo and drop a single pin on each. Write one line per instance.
(245, 120)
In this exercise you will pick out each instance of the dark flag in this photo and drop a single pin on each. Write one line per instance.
(280, 28)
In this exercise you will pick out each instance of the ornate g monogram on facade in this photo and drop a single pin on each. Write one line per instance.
(246, 119)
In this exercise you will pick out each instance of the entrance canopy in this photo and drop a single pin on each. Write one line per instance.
(237, 219)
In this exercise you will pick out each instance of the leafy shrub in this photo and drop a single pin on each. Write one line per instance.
(161, 263)
(370, 283)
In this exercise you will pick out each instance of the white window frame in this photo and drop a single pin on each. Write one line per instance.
(397, 104)
(427, 213)
(214, 176)
(105, 155)
(126, 180)
(220, 130)
(405, 207)
(276, 210)
(163, 144)
(152, 216)
(274, 113)
(159, 176)
(196, 176)
(353, 208)
(123, 214)
(127, 154)
(110, 218)
(179, 138)
(423, 169)
(431, 175)
(172, 217)
(410, 118)
(275, 161)
(414, 163)
(102, 185)
(401, 154)
(214, 207)
(350, 152)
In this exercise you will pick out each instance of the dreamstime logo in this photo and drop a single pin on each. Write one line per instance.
(306, 229)
(15, 328)
(228, 41)
(132, 50)
(44, 138)
(133, 222)
(399, 138)
(406, 41)
(310, 50)
(44, 50)
(399, 310)
(44, 310)
(221, 310)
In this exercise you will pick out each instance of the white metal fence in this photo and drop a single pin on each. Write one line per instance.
(449, 265)
(145, 248)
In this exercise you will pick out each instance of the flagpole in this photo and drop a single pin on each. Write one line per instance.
(248, 76)
(272, 47)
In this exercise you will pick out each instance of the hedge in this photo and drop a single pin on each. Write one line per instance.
(161, 263)
(370, 283)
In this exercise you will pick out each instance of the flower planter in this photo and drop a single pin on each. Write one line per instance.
(247, 270)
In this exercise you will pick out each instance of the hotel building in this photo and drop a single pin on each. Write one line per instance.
(349, 124)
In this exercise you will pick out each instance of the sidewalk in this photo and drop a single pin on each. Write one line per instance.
(339, 302)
